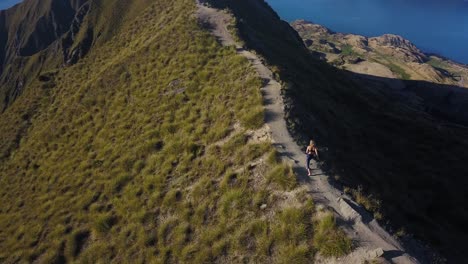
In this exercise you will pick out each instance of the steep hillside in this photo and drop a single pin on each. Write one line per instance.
(410, 159)
(44, 35)
(134, 136)
(151, 148)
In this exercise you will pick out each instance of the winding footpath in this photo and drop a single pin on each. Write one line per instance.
(370, 239)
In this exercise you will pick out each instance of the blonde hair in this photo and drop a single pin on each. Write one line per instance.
(311, 143)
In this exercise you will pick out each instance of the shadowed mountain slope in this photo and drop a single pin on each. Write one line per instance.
(408, 157)
(38, 36)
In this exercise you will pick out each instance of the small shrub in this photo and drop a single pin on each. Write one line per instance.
(233, 201)
(273, 157)
(347, 50)
(261, 197)
(229, 180)
(103, 223)
(293, 225)
(254, 118)
(152, 146)
(171, 198)
(329, 240)
(283, 176)
(119, 183)
(367, 201)
(295, 254)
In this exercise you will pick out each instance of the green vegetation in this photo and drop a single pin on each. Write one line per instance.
(398, 70)
(367, 201)
(277, 176)
(347, 50)
(233, 30)
(131, 155)
(393, 67)
(329, 240)
(438, 63)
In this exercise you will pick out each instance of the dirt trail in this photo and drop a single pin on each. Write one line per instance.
(370, 238)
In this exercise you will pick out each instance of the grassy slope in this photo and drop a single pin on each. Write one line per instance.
(117, 158)
(400, 154)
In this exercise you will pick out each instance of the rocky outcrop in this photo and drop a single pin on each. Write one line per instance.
(394, 41)
(72, 54)
(48, 28)
(303, 26)
(356, 41)
(398, 46)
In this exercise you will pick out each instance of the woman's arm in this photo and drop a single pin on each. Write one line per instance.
(316, 152)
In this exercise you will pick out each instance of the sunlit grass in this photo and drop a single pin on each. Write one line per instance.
(329, 240)
(121, 161)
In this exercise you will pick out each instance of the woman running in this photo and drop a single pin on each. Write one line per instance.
(311, 152)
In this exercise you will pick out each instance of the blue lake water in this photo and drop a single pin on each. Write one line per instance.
(438, 26)
(435, 26)
(4, 4)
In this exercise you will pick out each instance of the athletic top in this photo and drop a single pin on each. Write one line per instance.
(310, 150)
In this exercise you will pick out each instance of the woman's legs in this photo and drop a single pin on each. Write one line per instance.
(309, 157)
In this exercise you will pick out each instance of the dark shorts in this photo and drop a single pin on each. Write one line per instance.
(308, 159)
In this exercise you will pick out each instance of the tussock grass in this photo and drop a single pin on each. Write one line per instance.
(121, 161)
(438, 63)
(103, 223)
(348, 50)
(329, 240)
(367, 200)
(283, 176)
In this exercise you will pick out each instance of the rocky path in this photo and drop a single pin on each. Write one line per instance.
(371, 240)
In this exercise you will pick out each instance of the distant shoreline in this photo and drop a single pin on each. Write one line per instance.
(435, 54)
(436, 32)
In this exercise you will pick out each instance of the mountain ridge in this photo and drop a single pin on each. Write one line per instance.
(145, 147)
